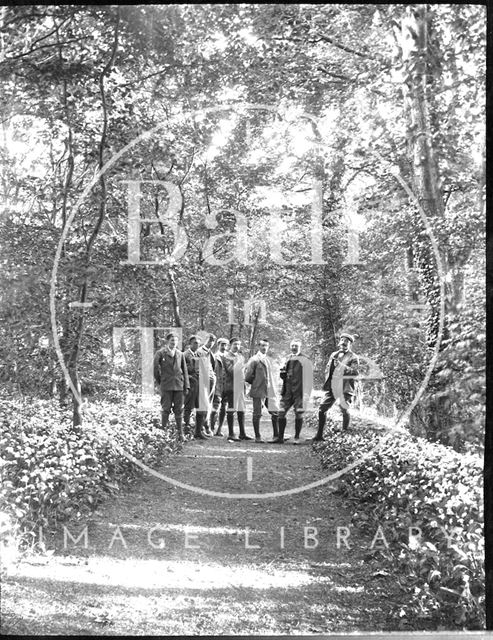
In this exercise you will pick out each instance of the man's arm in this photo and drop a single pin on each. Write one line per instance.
(351, 368)
(284, 369)
(250, 371)
(184, 368)
(327, 367)
(189, 363)
(228, 365)
(157, 367)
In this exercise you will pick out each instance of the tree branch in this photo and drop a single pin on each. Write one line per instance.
(151, 75)
(343, 47)
(102, 141)
(43, 46)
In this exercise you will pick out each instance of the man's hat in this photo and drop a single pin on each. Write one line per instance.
(347, 335)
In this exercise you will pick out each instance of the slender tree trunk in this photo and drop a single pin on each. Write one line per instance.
(253, 332)
(174, 298)
(78, 331)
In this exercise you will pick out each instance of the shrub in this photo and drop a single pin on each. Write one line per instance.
(410, 482)
(53, 471)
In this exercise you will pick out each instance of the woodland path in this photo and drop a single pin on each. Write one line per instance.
(221, 586)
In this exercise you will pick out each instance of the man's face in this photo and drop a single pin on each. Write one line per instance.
(194, 344)
(295, 348)
(172, 342)
(263, 347)
(235, 346)
(344, 344)
(209, 343)
(222, 347)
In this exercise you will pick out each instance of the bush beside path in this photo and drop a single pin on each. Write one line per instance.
(238, 579)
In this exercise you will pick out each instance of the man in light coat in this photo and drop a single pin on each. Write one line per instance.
(234, 390)
(206, 389)
(192, 359)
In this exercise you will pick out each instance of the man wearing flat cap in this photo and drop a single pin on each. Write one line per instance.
(340, 373)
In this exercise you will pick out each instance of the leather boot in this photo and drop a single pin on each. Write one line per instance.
(275, 427)
(199, 419)
(298, 425)
(213, 423)
(179, 428)
(256, 428)
(206, 430)
(345, 420)
(281, 426)
(164, 420)
(321, 425)
(230, 417)
(241, 424)
(222, 416)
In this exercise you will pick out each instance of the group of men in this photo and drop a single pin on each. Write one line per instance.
(213, 384)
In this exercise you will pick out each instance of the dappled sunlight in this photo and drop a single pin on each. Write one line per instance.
(166, 574)
(257, 449)
(184, 528)
(204, 455)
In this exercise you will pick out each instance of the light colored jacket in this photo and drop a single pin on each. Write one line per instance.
(350, 367)
(202, 352)
(234, 379)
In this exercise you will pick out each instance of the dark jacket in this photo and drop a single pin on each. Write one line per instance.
(171, 373)
(192, 360)
(351, 368)
(220, 373)
(292, 376)
(256, 376)
(230, 369)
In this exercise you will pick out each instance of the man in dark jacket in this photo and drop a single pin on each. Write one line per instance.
(259, 374)
(222, 344)
(342, 367)
(170, 373)
(293, 390)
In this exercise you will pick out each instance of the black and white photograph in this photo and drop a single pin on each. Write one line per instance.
(243, 320)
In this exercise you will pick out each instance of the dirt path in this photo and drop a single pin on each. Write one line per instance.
(222, 567)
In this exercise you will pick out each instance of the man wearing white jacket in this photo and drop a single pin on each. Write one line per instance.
(234, 389)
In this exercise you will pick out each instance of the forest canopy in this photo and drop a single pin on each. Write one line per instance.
(297, 169)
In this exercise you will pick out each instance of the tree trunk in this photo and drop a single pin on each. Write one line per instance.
(421, 153)
(174, 298)
(77, 334)
(330, 277)
(419, 75)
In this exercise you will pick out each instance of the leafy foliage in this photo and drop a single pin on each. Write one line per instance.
(53, 472)
(410, 482)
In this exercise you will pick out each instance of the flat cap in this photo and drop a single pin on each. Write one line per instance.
(347, 335)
